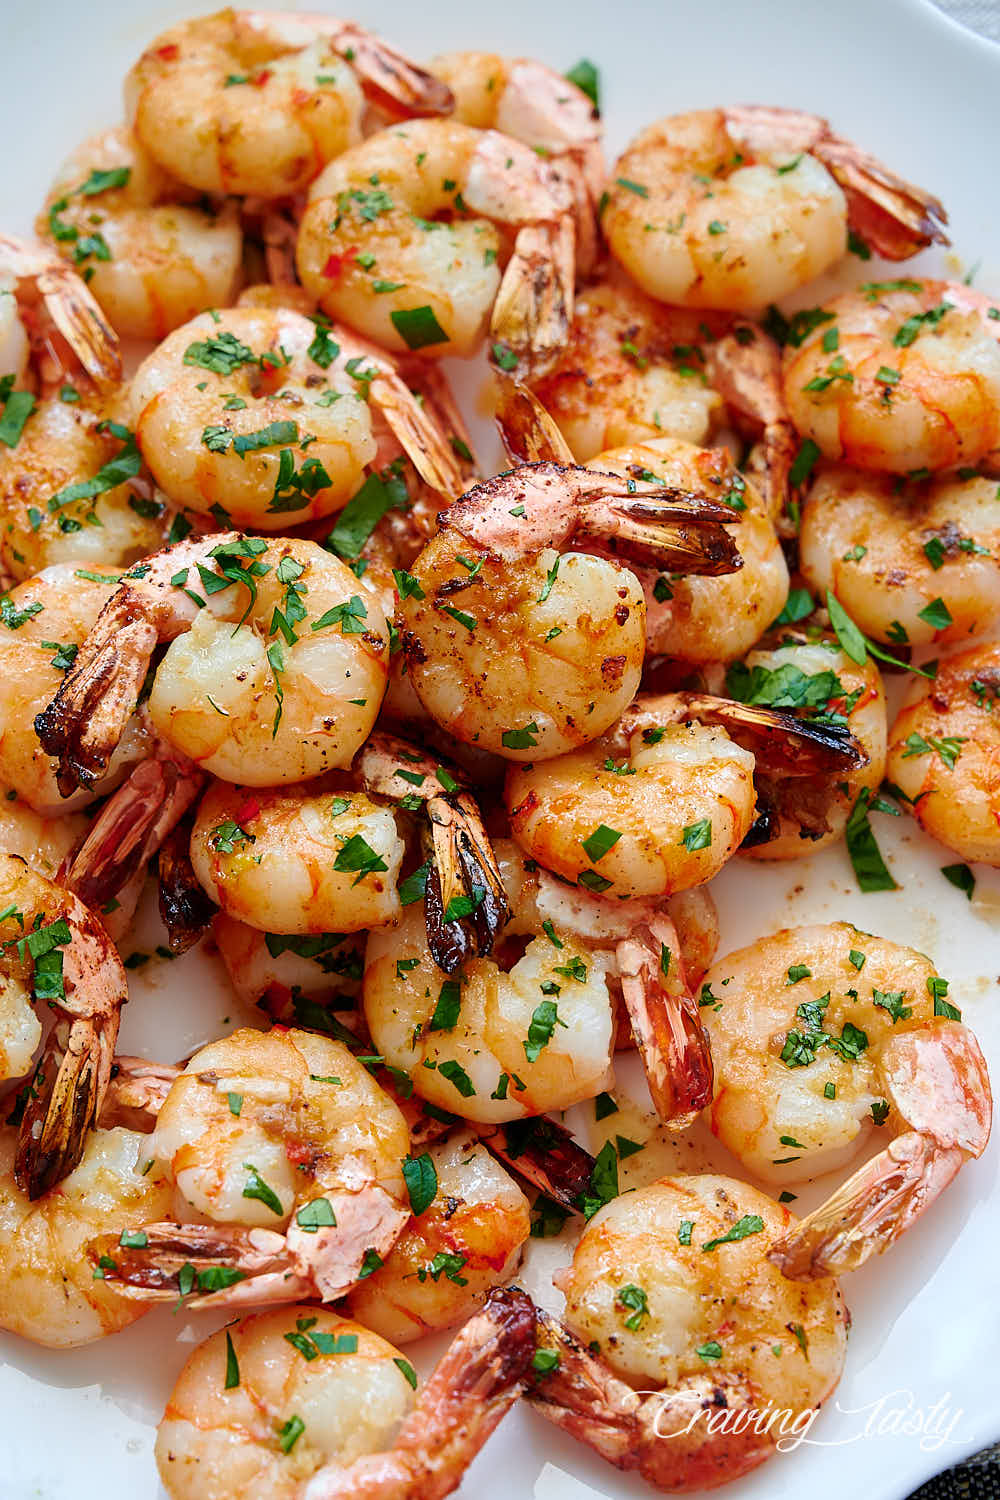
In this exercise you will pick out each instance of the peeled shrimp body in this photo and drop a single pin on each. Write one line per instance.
(737, 208)
(943, 753)
(401, 238)
(519, 645)
(55, 954)
(281, 973)
(890, 551)
(274, 673)
(447, 1258)
(50, 1294)
(324, 1409)
(258, 101)
(820, 1037)
(900, 376)
(151, 258)
(686, 1319)
(290, 1156)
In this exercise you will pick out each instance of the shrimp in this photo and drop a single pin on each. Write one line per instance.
(736, 208)
(498, 585)
(529, 102)
(812, 675)
(151, 258)
(55, 950)
(665, 799)
(71, 486)
(290, 1156)
(260, 416)
(703, 1357)
(257, 102)
(295, 1424)
(821, 1036)
(401, 237)
(447, 1258)
(900, 376)
(287, 975)
(943, 753)
(901, 557)
(275, 670)
(515, 1034)
(50, 1293)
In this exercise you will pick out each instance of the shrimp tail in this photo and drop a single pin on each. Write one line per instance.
(221, 1265)
(744, 366)
(787, 744)
(86, 719)
(528, 432)
(186, 909)
(534, 305)
(543, 1152)
(632, 1430)
(390, 79)
(128, 830)
(71, 306)
(869, 1211)
(672, 1043)
(681, 531)
(465, 902)
(62, 1102)
(474, 1385)
(136, 1093)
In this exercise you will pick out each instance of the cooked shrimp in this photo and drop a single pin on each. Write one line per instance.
(500, 1039)
(529, 102)
(71, 486)
(262, 416)
(401, 238)
(944, 752)
(295, 1424)
(290, 1156)
(822, 1035)
(704, 1361)
(899, 557)
(664, 800)
(43, 843)
(151, 259)
(708, 618)
(42, 625)
(50, 1293)
(520, 646)
(737, 208)
(275, 669)
(323, 859)
(902, 376)
(55, 950)
(813, 676)
(286, 975)
(257, 102)
(451, 1255)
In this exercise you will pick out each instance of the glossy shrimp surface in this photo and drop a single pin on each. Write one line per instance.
(900, 376)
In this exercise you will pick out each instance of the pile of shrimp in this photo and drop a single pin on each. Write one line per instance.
(441, 760)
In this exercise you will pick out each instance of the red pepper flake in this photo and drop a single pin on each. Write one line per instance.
(169, 53)
(335, 263)
(261, 78)
(299, 1153)
(249, 810)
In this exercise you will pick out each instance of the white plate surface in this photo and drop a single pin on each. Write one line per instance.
(922, 1383)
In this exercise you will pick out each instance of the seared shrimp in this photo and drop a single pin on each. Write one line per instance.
(500, 586)
(42, 626)
(151, 259)
(50, 1293)
(55, 951)
(902, 376)
(813, 676)
(261, 416)
(298, 1424)
(666, 798)
(529, 102)
(290, 1156)
(822, 1036)
(902, 557)
(257, 101)
(735, 208)
(275, 670)
(401, 238)
(447, 1258)
(285, 975)
(703, 1359)
(944, 750)
(71, 482)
